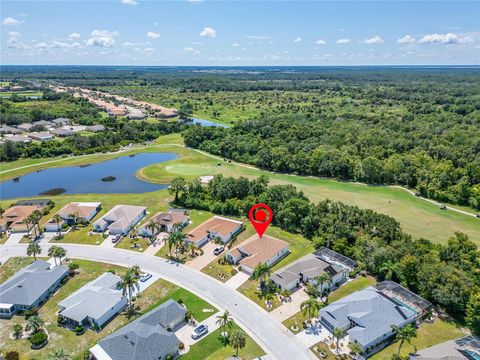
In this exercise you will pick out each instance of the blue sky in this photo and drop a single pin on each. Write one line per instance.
(141, 32)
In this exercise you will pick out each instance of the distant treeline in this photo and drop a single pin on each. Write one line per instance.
(448, 275)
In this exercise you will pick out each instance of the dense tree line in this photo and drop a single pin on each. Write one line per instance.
(448, 275)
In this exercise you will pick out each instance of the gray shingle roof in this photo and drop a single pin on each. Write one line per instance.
(145, 338)
(94, 299)
(28, 284)
(373, 312)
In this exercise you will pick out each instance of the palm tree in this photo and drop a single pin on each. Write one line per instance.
(58, 219)
(17, 331)
(129, 284)
(74, 218)
(34, 324)
(355, 348)
(225, 321)
(52, 252)
(61, 253)
(191, 247)
(34, 249)
(338, 333)
(310, 308)
(152, 226)
(136, 269)
(30, 220)
(388, 269)
(407, 333)
(238, 340)
(58, 354)
(174, 240)
(36, 216)
(261, 273)
(177, 185)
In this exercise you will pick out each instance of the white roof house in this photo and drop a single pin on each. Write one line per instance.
(120, 219)
(95, 303)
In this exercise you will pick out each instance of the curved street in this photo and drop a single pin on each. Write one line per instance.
(271, 335)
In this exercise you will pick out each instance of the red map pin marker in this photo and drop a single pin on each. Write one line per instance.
(260, 216)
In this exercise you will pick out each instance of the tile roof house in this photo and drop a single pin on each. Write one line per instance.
(120, 219)
(14, 218)
(215, 227)
(25, 127)
(17, 138)
(95, 303)
(465, 348)
(30, 287)
(255, 251)
(165, 222)
(61, 121)
(146, 338)
(367, 317)
(95, 128)
(61, 132)
(305, 270)
(9, 130)
(84, 211)
(41, 136)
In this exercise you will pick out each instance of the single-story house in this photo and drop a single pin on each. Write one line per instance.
(465, 348)
(30, 287)
(41, 136)
(255, 251)
(134, 114)
(165, 222)
(95, 303)
(95, 128)
(84, 211)
(17, 138)
(34, 202)
(305, 270)
(74, 128)
(45, 123)
(120, 219)
(61, 122)
(367, 316)
(14, 218)
(215, 227)
(146, 338)
(335, 258)
(9, 130)
(25, 127)
(61, 132)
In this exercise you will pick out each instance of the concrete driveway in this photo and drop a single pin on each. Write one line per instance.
(107, 243)
(15, 238)
(208, 256)
(184, 333)
(238, 280)
(290, 308)
(272, 336)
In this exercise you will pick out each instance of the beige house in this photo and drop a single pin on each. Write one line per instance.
(84, 211)
(165, 222)
(14, 218)
(215, 227)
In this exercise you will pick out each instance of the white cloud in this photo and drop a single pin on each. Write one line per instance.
(9, 21)
(373, 40)
(320, 42)
(235, 44)
(102, 38)
(449, 38)
(149, 50)
(74, 36)
(152, 35)
(42, 45)
(129, 2)
(14, 42)
(257, 37)
(14, 34)
(189, 49)
(344, 41)
(208, 32)
(156, 23)
(132, 44)
(407, 39)
(297, 39)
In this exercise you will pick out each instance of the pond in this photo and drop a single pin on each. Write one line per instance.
(203, 122)
(87, 179)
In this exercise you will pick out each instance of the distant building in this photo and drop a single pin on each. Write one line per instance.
(165, 222)
(74, 128)
(17, 139)
(24, 127)
(465, 348)
(9, 130)
(41, 136)
(84, 211)
(95, 303)
(46, 124)
(61, 132)
(255, 251)
(215, 227)
(30, 287)
(95, 128)
(61, 122)
(120, 219)
(36, 202)
(146, 338)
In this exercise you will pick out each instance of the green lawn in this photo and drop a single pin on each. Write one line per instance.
(153, 296)
(127, 243)
(210, 348)
(249, 289)
(359, 283)
(324, 347)
(428, 334)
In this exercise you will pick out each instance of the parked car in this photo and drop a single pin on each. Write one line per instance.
(116, 238)
(145, 277)
(218, 250)
(478, 216)
(443, 207)
(199, 331)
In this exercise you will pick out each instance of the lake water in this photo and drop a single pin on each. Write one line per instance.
(203, 122)
(87, 179)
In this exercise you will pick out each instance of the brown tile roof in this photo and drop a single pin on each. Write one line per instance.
(17, 214)
(260, 250)
(217, 224)
(82, 210)
(167, 218)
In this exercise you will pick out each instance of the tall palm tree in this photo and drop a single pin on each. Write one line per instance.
(261, 273)
(225, 321)
(174, 240)
(179, 184)
(60, 253)
(58, 219)
(153, 227)
(34, 324)
(59, 354)
(238, 340)
(52, 252)
(320, 281)
(30, 220)
(338, 333)
(310, 308)
(36, 216)
(407, 333)
(129, 285)
(388, 269)
(34, 249)
(74, 218)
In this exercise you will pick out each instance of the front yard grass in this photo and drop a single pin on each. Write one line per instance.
(249, 289)
(60, 337)
(428, 334)
(127, 243)
(210, 348)
(221, 272)
(321, 346)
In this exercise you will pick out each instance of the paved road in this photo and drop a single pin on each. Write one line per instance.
(267, 332)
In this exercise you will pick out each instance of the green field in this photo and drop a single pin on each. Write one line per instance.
(417, 217)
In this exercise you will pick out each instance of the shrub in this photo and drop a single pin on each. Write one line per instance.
(233, 272)
(181, 346)
(80, 329)
(134, 298)
(12, 355)
(30, 312)
(39, 339)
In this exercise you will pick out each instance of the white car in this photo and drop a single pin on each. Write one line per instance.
(145, 277)
(199, 331)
